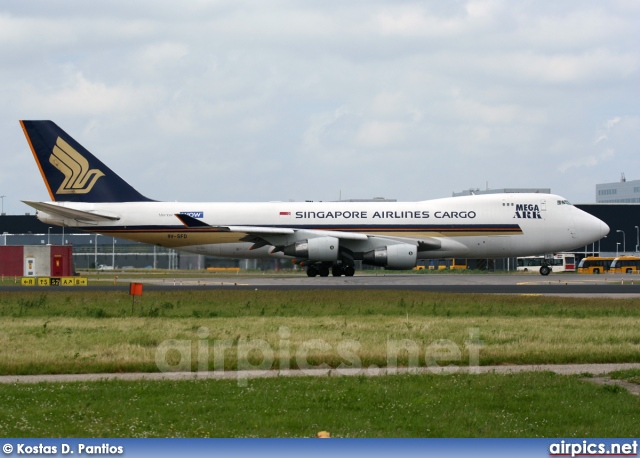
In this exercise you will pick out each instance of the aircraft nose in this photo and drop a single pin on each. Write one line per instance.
(590, 228)
(604, 228)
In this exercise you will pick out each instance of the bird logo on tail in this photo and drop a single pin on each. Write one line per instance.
(79, 179)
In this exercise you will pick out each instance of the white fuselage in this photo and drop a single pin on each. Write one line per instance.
(497, 225)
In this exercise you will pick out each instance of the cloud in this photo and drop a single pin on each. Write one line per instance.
(590, 160)
(377, 134)
(80, 96)
(603, 134)
(292, 100)
(595, 158)
(157, 57)
(321, 127)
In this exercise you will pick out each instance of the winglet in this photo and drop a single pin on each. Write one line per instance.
(190, 221)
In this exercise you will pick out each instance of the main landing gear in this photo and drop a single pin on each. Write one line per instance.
(545, 270)
(321, 270)
(336, 270)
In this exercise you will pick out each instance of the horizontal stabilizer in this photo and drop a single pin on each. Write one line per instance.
(70, 213)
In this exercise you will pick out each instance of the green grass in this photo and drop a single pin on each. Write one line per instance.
(631, 375)
(45, 331)
(519, 405)
(308, 303)
(81, 332)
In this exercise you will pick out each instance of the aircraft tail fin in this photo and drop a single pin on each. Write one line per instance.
(72, 173)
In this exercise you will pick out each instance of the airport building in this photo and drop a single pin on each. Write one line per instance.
(623, 191)
(36, 261)
(475, 192)
(624, 228)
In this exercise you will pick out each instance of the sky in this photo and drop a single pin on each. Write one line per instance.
(320, 100)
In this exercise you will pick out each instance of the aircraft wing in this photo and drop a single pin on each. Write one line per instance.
(262, 236)
(423, 243)
(70, 213)
(194, 223)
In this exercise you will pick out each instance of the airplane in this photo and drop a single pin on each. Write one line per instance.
(322, 236)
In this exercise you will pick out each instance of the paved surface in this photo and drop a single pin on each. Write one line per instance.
(558, 284)
(570, 284)
(401, 280)
(566, 369)
(631, 387)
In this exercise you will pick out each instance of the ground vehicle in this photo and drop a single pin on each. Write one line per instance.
(458, 264)
(560, 262)
(594, 265)
(104, 267)
(625, 265)
(442, 264)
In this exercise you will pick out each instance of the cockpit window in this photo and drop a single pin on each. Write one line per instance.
(564, 202)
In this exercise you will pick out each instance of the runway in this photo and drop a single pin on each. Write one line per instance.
(619, 286)
(471, 284)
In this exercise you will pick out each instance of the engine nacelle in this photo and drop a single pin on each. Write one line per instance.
(317, 249)
(401, 256)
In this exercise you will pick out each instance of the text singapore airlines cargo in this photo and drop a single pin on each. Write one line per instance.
(324, 236)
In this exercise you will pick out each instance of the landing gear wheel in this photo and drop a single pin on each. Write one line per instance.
(312, 271)
(349, 271)
(545, 270)
(336, 271)
(324, 271)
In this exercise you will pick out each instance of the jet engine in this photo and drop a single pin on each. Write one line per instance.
(401, 256)
(316, 249)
